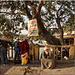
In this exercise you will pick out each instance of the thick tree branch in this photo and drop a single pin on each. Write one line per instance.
(59, 9)
(45, 34)
(39, 6)
(59, 25)
(31, 3)
(27, 10)
(33, 11)
(33, 7)
(10, 13)
(13, 7)
(60, 30)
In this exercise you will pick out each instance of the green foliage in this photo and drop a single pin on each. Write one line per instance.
(5, 25)
(69, 25)
(66, 14)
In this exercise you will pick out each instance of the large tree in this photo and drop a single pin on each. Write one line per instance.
(33, 9)
(59, 14)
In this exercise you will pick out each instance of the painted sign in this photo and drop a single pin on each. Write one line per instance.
(32, 28)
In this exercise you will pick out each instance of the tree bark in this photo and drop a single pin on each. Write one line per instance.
(42, 30)
(60, 30)
(45, 34)
(59, 26)
(36, 14)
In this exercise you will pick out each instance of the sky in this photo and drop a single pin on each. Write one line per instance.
(25, 18)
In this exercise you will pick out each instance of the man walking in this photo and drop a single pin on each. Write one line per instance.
(17, 50)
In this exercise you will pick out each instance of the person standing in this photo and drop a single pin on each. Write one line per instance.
(4, 45)
(24, 49)
(17, 50)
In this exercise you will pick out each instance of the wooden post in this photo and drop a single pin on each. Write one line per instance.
(8, 53)
(33, 48)
(57, 54)
(74, 46)
(54, 52)
(69, 42)
(12, 51)
(38, 51)
(74, 40)
(61, 53)
(65, 41)
(71, 52)
(30, 52)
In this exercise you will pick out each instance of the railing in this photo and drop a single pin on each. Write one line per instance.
(36, 48)
(34, 51)
(56, 48)
(10, 52)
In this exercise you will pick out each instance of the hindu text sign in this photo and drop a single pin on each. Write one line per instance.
(32, 28)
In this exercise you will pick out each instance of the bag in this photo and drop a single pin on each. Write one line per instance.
(16, 44)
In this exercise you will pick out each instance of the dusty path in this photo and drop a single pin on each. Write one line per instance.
(35, 69)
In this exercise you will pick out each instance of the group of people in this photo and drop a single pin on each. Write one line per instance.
(21, 50)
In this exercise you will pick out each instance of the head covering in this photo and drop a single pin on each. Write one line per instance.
(51, 49)
(24, 39)
(17, 38)
(46, 48)
(4, 38)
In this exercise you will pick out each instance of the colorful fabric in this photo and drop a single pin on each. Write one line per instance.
(24, 46)
(24, 58)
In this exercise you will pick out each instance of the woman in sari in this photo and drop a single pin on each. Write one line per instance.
(24, 48)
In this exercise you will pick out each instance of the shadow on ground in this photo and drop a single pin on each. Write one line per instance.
(31, 66)
(4, 69)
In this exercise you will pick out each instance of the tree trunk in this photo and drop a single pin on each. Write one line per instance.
(42, 30)
(45, 34)
(60, 30)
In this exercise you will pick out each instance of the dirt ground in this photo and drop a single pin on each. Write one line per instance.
(35, 69)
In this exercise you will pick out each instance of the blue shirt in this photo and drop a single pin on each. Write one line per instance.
(16, 49)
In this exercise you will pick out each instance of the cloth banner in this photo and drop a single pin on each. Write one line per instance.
(32, 28)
